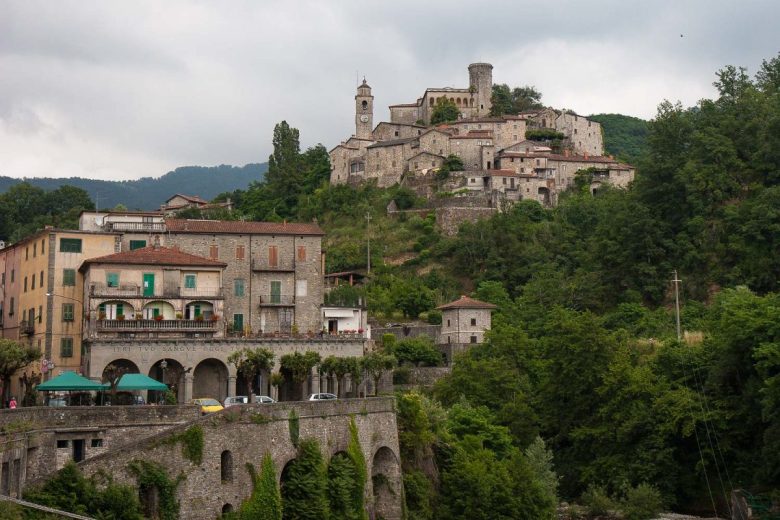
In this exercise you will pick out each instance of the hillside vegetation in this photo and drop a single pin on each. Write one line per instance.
(624, 136)
(148, 193)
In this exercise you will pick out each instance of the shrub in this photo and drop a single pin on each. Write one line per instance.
(402, 376)
(597, 501)
(642, 502)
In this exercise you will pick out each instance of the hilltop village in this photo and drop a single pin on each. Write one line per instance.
(500, 161)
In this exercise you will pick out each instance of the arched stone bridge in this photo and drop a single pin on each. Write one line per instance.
(241, 435)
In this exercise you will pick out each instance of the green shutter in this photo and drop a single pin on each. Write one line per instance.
(120, 310)
(189, 281)
(137, 244)
(112, 279)
(276, 292)
(238, 323)
(67, 312)
(66, 347)
(69, 277)
(238, 285)
(70, 245)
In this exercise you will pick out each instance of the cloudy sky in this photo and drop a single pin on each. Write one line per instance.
(122, 90)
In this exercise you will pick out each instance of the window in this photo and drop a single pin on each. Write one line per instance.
(66, 347)
(473, 322)
(273, 256)
(25, 284)
(189, 281)
(27, 253)
(448, 323)
(63, 443)
(11, 307)
(112, 279)
(13, 273)
(40, 280)
(43, 246)
(239, 252)
(214, 252)
(96, 443)
(69, 277)
(238, 287)
(226, 462)
(238, 322)
(276, 292)
(67, 312)
(40, 315)
(137, 244)
(35, 249)
(70, 245)
(473, 339)
(301, 253)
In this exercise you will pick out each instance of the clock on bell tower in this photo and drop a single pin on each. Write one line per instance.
(364, 111)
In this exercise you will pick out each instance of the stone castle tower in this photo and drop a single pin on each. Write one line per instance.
(364, 111)
(481, 84)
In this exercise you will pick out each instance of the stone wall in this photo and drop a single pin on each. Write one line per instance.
(407, 332)
(246, 433)
(450, 219)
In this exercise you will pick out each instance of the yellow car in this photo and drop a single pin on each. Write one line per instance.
(207, 405)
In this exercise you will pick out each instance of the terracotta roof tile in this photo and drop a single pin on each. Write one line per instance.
(393, 142)
(464, 302)
(152, 255)
(236, 227)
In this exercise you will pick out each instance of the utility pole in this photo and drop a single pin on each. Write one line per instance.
(677, 282)
(368, 242)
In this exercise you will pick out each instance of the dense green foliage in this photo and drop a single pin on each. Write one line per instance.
(13, 357)
(249, 362)
(191, 441)
(25, 209)
(419, 351)
(305, 484)
(151, 475)
(512, 101)
(265, 500)
(444, 111)
(148, 193)
(70, 491)
(625, 137)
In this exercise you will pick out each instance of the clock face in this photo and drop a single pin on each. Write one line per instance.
(364, 118)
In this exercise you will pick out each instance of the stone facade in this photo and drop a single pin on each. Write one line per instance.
(220, 482)
(464, 325)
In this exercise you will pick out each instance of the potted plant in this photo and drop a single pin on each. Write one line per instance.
(179, 316)
(139, 316)
(120, 317)
(199, 317)
(214, 317)
(102, 316)
(159, 317)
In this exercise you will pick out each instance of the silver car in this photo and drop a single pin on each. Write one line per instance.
(264, 399)
(235, 400)
(322, 397)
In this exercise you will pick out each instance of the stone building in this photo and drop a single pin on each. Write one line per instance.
(465, 321)
(403, 147)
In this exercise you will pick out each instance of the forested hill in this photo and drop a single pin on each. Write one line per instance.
(624, 136)
(150, 192)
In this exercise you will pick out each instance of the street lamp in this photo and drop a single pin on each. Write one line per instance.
(163, 365)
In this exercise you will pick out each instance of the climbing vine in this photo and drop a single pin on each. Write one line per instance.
(304, 491)
(295, 428)
(191, 441)
(151, 475)
(266, 500)
(355, 454)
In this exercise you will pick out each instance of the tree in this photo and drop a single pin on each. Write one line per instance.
(418, 351)
(506, 101)
(375, 364)
(13, 357)
(250, 362)
(304, 484)
(444, 111)
(266, 499)
(300, 365)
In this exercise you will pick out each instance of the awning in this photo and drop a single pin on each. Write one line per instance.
(139, 382)
(70, 381)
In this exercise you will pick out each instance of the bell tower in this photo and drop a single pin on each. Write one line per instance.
(364, 111)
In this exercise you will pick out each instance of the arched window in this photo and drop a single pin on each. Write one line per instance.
(227, 508)
(226, 464)
(364, 104)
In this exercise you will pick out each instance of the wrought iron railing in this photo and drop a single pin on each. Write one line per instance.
(276, 299)
(156, 325)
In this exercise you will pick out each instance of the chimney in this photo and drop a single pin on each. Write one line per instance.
(156, 242)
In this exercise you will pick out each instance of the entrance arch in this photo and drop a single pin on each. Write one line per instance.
(122, 366)
(210, 379)
(173, 376)
(198, 308)
(386, 484)
(159, 308)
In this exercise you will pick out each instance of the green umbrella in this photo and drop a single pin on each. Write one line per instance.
(139, 382)
(70, 381)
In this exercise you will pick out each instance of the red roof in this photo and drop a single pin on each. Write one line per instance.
(152, 255)
(236, 227)
(189, 198)
(466, 303)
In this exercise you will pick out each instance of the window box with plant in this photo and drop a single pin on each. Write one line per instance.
(159, 317)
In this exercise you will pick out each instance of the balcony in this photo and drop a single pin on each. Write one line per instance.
(281, 265)
(277, 300)
(27, 328)
(156, 325)
(143, 227)
(136, 291)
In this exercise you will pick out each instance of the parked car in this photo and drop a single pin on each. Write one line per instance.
(235, 400)
(264, 399)
(208, 405)
(322, 397)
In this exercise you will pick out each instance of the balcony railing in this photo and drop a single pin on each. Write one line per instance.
(271, 300)
(134, 226)
(156, 325)
(281, 265)
(27, 327)
(135, 291)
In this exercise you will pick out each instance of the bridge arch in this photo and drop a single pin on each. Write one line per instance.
(386, 484)
(210, 379)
